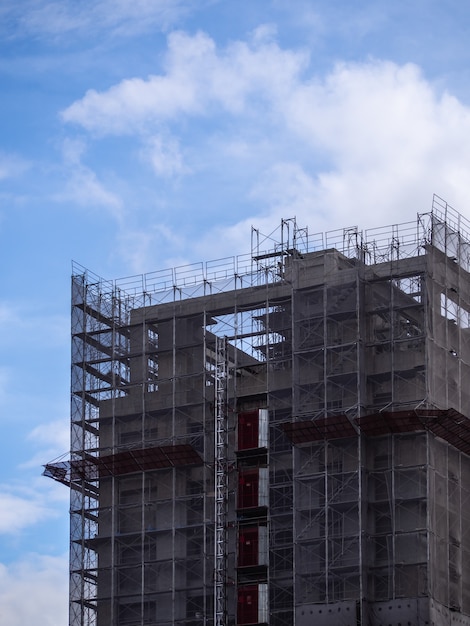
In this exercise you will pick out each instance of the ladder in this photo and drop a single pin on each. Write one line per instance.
(221, 480)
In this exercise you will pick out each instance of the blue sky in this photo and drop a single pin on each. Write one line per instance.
(142, 134)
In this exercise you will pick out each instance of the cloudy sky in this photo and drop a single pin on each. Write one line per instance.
(142, 134)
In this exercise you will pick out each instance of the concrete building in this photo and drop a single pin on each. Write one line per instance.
(281, 438)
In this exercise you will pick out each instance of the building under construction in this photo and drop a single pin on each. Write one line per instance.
(281, 438)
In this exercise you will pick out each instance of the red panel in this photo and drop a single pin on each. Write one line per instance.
(248, 550)
(248, 489)
(247, 606)
(248, 430)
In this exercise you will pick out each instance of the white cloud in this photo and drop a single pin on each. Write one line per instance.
(56, 433)
(21, 509)
(73, 150)
(34, 588)
(52, 440)
(165, 156)
(82, 186)
(38, 327)
(365, 144)
(26, 500)
(265, 33)
(197, 78)
(360, 112)
(128, 17)
(85, 189)
(11, 165)
(389, 138)
(59, 18)
(137, 247)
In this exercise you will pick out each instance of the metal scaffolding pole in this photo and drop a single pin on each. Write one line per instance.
(221, 483)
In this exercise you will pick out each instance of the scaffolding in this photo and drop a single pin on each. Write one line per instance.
(276, 438)
(221, 481)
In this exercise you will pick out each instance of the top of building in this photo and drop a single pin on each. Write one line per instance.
(442, 227)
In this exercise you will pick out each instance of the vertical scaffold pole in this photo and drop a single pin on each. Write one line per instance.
(221, 481)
